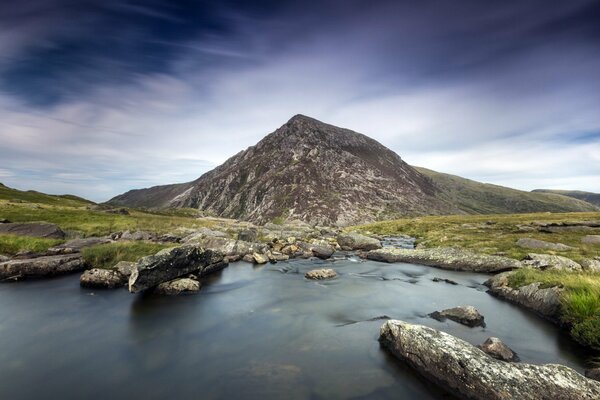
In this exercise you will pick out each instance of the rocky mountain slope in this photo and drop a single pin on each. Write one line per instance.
(323, 174)
(593, 198)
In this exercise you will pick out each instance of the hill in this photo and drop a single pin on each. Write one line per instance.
(31, 196)
(593, 198)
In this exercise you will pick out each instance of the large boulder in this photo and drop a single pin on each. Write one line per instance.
(178, 286)
(35, 229)
(169, 264)
(544, 301)
(466, 315)
(497, 349)
(40, 267)
(468, 372)
(356, 241)
(446, 258)
(530, 243)
(551, 262)
(102, 278)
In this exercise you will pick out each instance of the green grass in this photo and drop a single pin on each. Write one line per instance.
(107, 255)
(580, 301)
(13, 244)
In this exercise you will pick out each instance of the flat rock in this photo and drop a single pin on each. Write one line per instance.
(446, 258)
(173, 263)
(102, 278)
(356, 241)
(530, 243)
(76, 245)
(591, 239)
(178, 286)
(497, 349)
(40, 267)
(318, 274)
(466, 315)
(550, 262)
(35, 229)
(465, 371)
(542, 300)
(137, 235)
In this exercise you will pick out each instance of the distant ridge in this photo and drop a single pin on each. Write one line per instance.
(592, 198)
(322, 174)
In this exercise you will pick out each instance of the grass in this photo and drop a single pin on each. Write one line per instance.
(580, 301)
(107, 255)
(30, 196)
(13, 244)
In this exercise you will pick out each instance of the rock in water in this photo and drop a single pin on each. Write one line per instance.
(102, 278)
(497, 349)
(178, 286)
(466, 315)
(318, 274)
(35, 229)
(260, 258)
(468, 372)
(173, 263)
(356, 241)
(40, 267)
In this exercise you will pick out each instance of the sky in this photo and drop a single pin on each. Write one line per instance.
(101, 96)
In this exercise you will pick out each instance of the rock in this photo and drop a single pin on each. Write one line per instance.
(248, 258)
(260, 258)
(530, 243)
(247, 235)
(41, 267)
(35, 229)
(290, 250)
(318, 274)
(593, 373)
(4, 221)
(446, 258)
(590, 265)
(279, 256)
(591, 239)
(229, 247)
(450, 281)
(169, 264)
(75, 245)
(102, 278)
(497, 349)
(170, 238)
(234, 258)
(4, 258)
(204, 232)
(356, 241)
(543, 301)
(178, 286)
(322, 252)
(118, 211)
(137, 235)
(550, 262)
(468, 372)
(125, 268)
(466, 315)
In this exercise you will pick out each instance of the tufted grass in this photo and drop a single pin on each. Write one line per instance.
(107, 255)
(13, 244)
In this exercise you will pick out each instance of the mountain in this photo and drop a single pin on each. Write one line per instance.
(31, 196)
(593, 198)
(323, 174)
(475, 197)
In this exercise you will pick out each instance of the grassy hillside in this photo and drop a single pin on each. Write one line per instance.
(593, 198)
(474, 197)
(31, 196)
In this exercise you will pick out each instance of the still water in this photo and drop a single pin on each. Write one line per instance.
(252, 333)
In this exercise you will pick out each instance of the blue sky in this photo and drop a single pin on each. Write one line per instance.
(98, 97)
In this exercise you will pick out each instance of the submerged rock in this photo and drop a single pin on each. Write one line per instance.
(545, 301)
(530, 243)
(497, 349)
(551, 262)
(102, 278)
(446, 258)
(35, 229)
(450, 281)
(40, 267)
(178, 286)
(318, 274)
(468, 372)
(356, 241)
(466, 315)
(169, 264)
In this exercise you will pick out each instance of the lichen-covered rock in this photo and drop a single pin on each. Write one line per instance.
(75, 245)
(551, 262)
(466, 315)
(178, 286)
(318, 274)
(545, 301)
(125, 268)
(468, 372)
(530, 243)
(446, 258)
(34, 229)
(137, 235)
(591, 265)
(356, 241)
(102, 278)
(40, 267)
(169, 264)
(497, 349)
